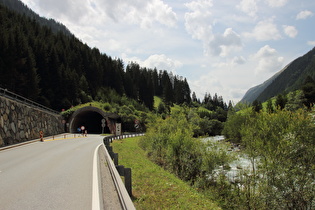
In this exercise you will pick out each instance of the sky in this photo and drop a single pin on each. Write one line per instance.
(223, 47)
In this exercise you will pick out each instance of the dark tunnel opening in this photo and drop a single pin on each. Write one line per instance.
(92, 121)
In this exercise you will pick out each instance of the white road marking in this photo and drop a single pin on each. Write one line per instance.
(95, 187)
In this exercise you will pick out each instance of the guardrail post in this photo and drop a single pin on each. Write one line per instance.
(128, 181)
(115, 157)
(126, 172)
(110, 150)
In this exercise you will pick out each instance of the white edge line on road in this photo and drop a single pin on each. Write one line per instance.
(95, 187)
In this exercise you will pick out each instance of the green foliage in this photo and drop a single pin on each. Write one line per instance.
(153, 187)
(287, 156)
(233, 125)
(157, 101)
(107, 106)
(256, 106)
(215, 155)
(295, 100)
(309, 91)
(210, 127)
(270, 107)
(280, 146)
(280, 101)
(66, 114)
(169, 143)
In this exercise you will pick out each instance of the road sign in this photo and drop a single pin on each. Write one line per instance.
(82, 128)
(103, 121)
(137, 121)
(103, 125)
(118, 129)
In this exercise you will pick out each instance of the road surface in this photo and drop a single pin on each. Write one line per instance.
(59, 174)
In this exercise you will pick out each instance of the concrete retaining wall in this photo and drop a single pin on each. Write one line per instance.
(20, 122)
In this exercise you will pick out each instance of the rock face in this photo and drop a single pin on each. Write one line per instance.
(20, 122)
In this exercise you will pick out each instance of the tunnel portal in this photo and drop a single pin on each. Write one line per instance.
(91, 118)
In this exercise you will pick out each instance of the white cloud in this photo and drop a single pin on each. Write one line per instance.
(276, 3)
(268, 60)
(230, 63)
(197, 21)
(202, 84)
(198, 24)
(249, 7)
(238, 60)
(142, 12)
(311, 43)
(304, 14)
(223, 44)
(290, 31)
(67, 9)
(265, 30)
(159, 61)
(162, 62)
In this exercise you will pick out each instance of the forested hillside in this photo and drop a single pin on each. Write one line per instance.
(19, 7)
(252, 94)
(59, 71)
(291, 78)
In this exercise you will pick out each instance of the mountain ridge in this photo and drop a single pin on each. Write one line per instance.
(21, 8)
(255, 91)
(288, 79)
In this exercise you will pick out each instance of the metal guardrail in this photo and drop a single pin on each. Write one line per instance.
(13, 96)
(123, 136)
(116, 170)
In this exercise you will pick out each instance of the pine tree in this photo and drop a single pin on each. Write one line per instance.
(280, 101)
(168, 95)
(309, 91)
(257, 106)
(270, 108)
(194, 97)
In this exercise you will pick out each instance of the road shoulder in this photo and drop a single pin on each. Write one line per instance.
(109, 193)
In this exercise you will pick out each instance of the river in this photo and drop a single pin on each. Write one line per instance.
(235, 167)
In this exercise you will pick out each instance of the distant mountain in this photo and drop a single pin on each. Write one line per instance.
(288, 79)
(253, 93)
(21, 8)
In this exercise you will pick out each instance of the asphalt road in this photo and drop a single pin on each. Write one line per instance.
(59, 174)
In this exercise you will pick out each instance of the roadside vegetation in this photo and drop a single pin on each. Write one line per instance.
(279, 145)
(278, 142)
(154, 187)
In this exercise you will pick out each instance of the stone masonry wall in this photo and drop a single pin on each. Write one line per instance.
(20, 122)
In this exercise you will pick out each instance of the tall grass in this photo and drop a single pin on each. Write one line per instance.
(153, 187)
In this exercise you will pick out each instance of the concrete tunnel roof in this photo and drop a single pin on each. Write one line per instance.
(90, 117)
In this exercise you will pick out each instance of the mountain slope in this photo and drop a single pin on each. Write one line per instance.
(288, 79)
(252, 94)
(22, 9)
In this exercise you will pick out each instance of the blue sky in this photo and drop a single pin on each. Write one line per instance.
(223, 47)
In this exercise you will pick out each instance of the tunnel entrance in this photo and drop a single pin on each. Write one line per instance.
(91, 118)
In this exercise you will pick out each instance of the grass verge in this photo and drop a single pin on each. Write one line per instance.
(153, 187)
